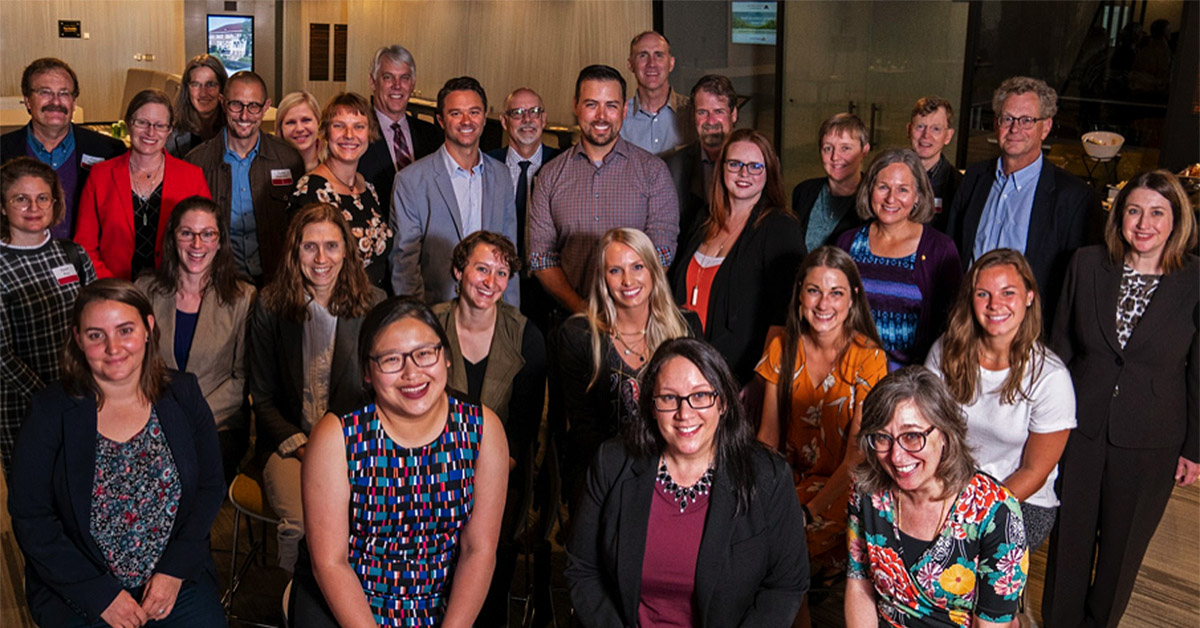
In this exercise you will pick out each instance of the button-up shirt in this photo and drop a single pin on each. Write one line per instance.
(513, 160)
(1005, 219)
(576, 201)
(59, 154)
(657, 132)
(468, 191)
(243, 230)
(385, 131)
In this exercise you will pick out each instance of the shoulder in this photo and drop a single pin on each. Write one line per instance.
(499, 154)
(846, 239)
(982, 495)
(52, 399)
(809, 187)
(177, 165)
(979, 169)
(377, 295)
(208, 152)
(185, 388)
(1092, 255)
(440, 310)
(770, 468)
(1068, 183)
(110, 165)
(937, 243)
(148, 284)
(611, 460)
(12, 142)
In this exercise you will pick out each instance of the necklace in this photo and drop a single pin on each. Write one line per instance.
(149, 176)
(683, 495)
(348, 186)
(628, 349)
(731, 235)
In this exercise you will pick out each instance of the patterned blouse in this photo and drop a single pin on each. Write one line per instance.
(1136, 291)
(368, 226)
(135, 498)
(894, 295)
(976, 567)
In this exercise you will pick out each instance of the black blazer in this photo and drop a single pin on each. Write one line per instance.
(1066, 215)
(501, 154)
(751, 289)
(686, 164)
(50, 499)
(1145, 395)
(752, 569)
(376, 165)
(804, 196)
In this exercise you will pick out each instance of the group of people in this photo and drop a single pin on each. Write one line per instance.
(745, 393)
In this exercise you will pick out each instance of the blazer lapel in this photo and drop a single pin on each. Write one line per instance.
(1041, 215)
(441, 179)
(345, 345)
(718, 528)
(1163, 306)
(637, 491)
(165, 321)
(79, 451)
(970, 227)
(175, 429)
(493, 212)
(1107, 290)
(120, 178)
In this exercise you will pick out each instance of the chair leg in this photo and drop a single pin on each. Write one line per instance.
(233, 572)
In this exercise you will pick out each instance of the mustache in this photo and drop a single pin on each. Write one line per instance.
(52, 107)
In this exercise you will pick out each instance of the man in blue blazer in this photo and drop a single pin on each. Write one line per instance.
(441, 198)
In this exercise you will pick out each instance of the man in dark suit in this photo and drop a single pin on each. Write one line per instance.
(714, 112)
(1019, 200)
(930, 129)
(50, 88)
(403, 138)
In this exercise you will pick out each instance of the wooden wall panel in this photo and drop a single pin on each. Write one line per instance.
(294, 48)
(118, 31)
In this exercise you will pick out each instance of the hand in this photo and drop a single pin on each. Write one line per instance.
(124, 612)
(159, 598)
(1186, 471)
(299, 453)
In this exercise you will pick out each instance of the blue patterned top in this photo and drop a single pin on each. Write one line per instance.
(894, 296)
(407, 508)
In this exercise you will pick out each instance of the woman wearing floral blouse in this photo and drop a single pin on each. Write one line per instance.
(942, 543)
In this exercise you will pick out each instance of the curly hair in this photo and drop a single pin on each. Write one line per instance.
(18, 168)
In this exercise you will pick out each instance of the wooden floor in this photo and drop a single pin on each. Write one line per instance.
(1167, 594)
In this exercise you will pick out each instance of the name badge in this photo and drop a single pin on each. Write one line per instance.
(90, 160)
(281, 177)
(66, 275)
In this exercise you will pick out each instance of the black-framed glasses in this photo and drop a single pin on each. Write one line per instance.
(236, 106)
(1024, 122)
(734, 166)
(422, 357)
(146, 125)
(516, 113)
(912, 442)
(208, 236)
(698, 400)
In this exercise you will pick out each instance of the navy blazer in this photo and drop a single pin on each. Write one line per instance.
(376, 164)
(752, 569)
(50, 499)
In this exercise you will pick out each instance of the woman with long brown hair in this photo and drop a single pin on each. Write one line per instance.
(199, 115)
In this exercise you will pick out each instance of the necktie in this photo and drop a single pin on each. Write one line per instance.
(522, 201)
(402, 156)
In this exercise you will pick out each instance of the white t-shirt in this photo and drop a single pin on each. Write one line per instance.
(997, 432)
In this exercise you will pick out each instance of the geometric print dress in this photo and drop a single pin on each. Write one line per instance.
(407, 507)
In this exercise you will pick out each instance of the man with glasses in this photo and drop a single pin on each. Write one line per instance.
(1020, 200)
(50, 88)
(714, 112)
(251, 175)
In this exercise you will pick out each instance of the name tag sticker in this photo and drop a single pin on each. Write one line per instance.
(90, 160)
(281, 177)
(65, 274)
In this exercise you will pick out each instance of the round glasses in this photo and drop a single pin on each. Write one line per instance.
(236, 106)
(422, 357)
(697, 401)
(912, 442)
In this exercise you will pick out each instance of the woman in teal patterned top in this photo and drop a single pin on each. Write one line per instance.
(403, 497)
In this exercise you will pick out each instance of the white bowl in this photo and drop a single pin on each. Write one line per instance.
(1102, 144)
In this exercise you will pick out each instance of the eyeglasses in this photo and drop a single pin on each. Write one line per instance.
(49, 94)
(207, 85)
(912, 442)
(1024, 122)
(146, 125)
(517, 113)
(422, 357)
(733, 166)
(208, 236)
(25, 203)
(697, 401)
(236, 106)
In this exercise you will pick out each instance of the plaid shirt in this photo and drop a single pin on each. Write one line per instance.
(35, 317)
(575, 203)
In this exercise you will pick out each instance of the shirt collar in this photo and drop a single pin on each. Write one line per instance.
(1023, 177)
(513, 158)
(229, 152)
(385, 123)
(456, 170)
(672, 102)
(34, 247)
(54, 157)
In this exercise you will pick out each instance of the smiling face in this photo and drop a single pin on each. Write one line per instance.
(912, 471)
(483, 281)
(687, 432)
(599, 110)
(113, 338)
(1000, 301)
(149, 140)
(53, 111)
(1147, 223)
(206, 95)
(29, 207)
(321, 254)
(714, 118)
(526, 131)
(299, 127)
(392, 86)
(744, 185)
(462, 118)
(414, 391)
(1021, 146)
(842, 155)
(893, 194)
(629, 281)
(195, 255)
(929, 134)
(243, 124)
(349, 135)
(651, 61)
(825, 300)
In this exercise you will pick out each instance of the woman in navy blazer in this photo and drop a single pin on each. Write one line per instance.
(79, 496)
(727, 549)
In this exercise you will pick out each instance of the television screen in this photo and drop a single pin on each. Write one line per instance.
(754, 22)
(231, 39)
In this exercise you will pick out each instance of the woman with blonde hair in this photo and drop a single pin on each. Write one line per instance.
(297, 116)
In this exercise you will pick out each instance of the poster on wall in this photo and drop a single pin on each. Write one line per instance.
(231, 39)
(754, 22)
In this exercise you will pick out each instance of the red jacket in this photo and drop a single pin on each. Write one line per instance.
(104, 227)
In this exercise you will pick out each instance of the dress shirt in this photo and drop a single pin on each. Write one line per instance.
(513, 160)
(56, 156)
(1005, 219)
(659, 132)
(468, 190)
(576, 201)
(385, 131)
(243, 229)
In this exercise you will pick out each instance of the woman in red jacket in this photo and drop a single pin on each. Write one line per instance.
(127, 200)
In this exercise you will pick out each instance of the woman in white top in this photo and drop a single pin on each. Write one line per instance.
(1017, 394)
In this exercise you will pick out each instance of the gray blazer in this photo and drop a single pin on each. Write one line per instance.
(428, 225)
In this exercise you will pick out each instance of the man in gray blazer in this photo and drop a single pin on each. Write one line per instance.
(443, 197)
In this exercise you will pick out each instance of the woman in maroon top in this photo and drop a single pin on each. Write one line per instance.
(665, 510)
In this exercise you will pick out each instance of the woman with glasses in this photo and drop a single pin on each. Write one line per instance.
(297, 117)
(911, 270)
(404, 496)
(201, 306)
(300, 353)
(687, 521)
(933, 541)
(1016, 393)
(127, 200)
(811, 409)
(346, 131)
(40, 277)
(735, 270)
(198, 113)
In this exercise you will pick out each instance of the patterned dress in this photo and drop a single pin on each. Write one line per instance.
(373, 236)
(895, 297)
(976, 566)
(407, 508)
(817, 433)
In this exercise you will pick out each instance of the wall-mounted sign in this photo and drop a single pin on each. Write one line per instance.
(753, 22)
(70, 28)
(231, 39)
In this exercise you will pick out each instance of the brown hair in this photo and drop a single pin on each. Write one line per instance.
(466, 246)
(15, 169)
(77, 377)
(960, 344)
(354, 103)
(717, 85)
(147, 97)
(843, 123)
(1013, 85)
(46, 64)
(187, 119)
(222, 275)
(922, 211)
(1182, 239)
(929, 104)
(776, 200)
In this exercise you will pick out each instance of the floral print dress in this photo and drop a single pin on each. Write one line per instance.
(976, 567)
(368, 225)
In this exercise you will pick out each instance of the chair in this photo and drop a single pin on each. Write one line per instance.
(246, 495)
(533, 536)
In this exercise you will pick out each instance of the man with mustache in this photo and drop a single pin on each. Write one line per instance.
(50, 89)
(714, 111)
(600, 183)
(654, 117)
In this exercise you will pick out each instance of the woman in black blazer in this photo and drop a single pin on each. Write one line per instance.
(1128, 327)
(689, 521)
(117, 479)
(736, 270)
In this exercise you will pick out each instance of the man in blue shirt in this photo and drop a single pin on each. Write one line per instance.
(656, 115)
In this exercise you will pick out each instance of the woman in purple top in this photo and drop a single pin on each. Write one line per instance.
(689, 521)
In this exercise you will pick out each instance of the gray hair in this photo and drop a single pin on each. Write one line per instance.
(1047, 97)
(394, 53)
(922, 211)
